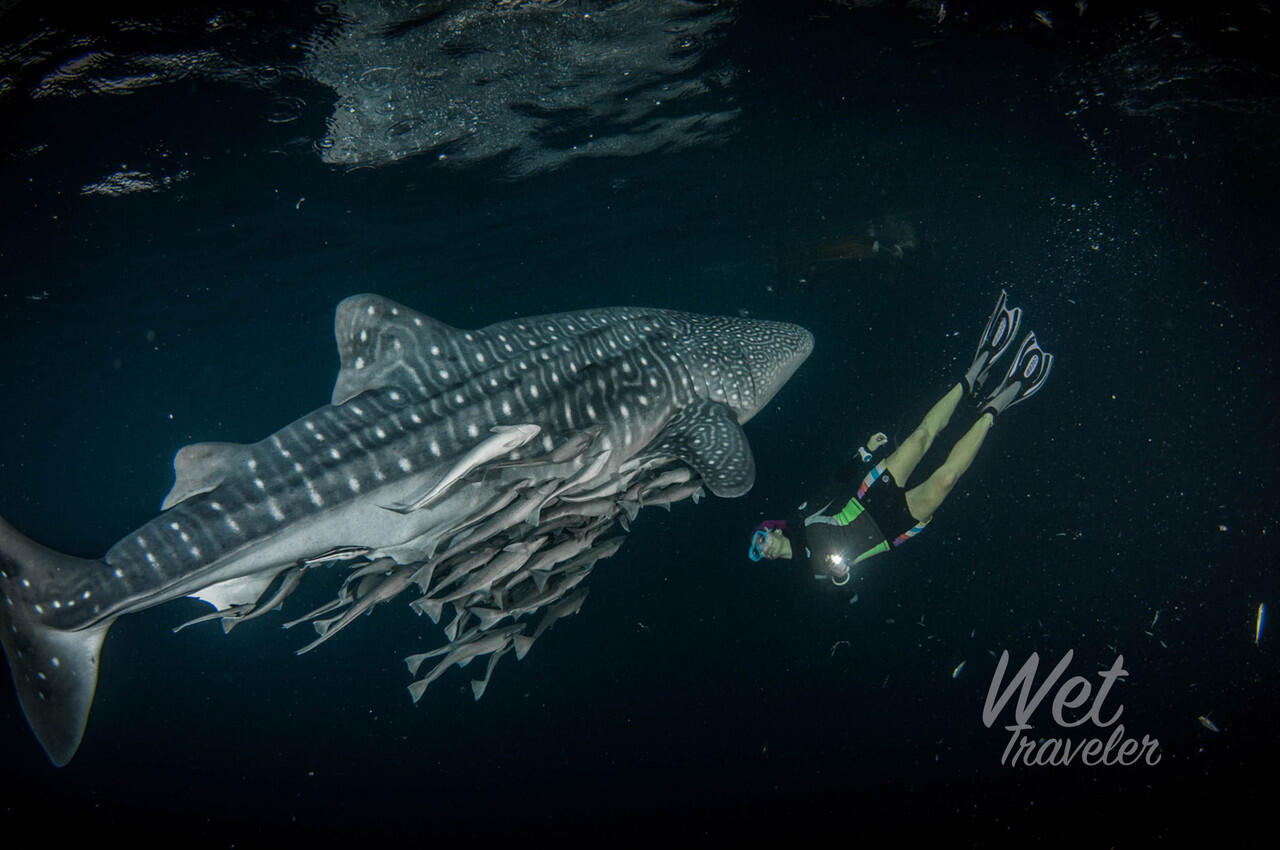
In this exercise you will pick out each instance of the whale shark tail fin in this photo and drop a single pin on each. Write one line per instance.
(55, 671)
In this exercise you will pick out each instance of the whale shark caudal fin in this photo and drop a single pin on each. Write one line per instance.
(54, 671)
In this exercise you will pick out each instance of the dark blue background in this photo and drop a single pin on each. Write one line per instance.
(696, 689)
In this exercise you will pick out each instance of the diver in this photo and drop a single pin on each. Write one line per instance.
(859, 516)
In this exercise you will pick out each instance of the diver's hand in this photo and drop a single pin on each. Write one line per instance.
(876, 440)
(835, 568)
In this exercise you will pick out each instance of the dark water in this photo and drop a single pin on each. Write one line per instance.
(1116, 172)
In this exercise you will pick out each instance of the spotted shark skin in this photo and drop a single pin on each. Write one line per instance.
(413, 397)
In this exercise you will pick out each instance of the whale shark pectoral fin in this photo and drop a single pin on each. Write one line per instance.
(200, 467)
(706, 436)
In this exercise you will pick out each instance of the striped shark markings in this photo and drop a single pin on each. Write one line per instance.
(502, 453)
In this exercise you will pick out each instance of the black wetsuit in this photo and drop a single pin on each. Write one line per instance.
(857, 516)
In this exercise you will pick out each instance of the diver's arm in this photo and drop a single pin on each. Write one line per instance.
(873, 444)
(866, 453)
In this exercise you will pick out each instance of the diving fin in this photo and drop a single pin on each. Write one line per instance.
(1000, 331)
(1027, 374)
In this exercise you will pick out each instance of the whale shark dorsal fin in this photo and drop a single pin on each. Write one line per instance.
(200, 467)
(706, 436)
(383, 345)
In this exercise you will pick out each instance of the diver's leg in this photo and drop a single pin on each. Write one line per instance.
(922, 501)
(904, 459)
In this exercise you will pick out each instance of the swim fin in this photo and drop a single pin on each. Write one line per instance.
(1000, 331)
(1026, 375)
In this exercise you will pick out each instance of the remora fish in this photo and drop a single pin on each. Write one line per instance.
(567, 606)
(505, 439)
(413, 397)
(507, 562)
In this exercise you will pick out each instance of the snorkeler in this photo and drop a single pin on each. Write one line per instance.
(856, 518)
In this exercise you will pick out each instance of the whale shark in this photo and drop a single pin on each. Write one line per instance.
(481, 467)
